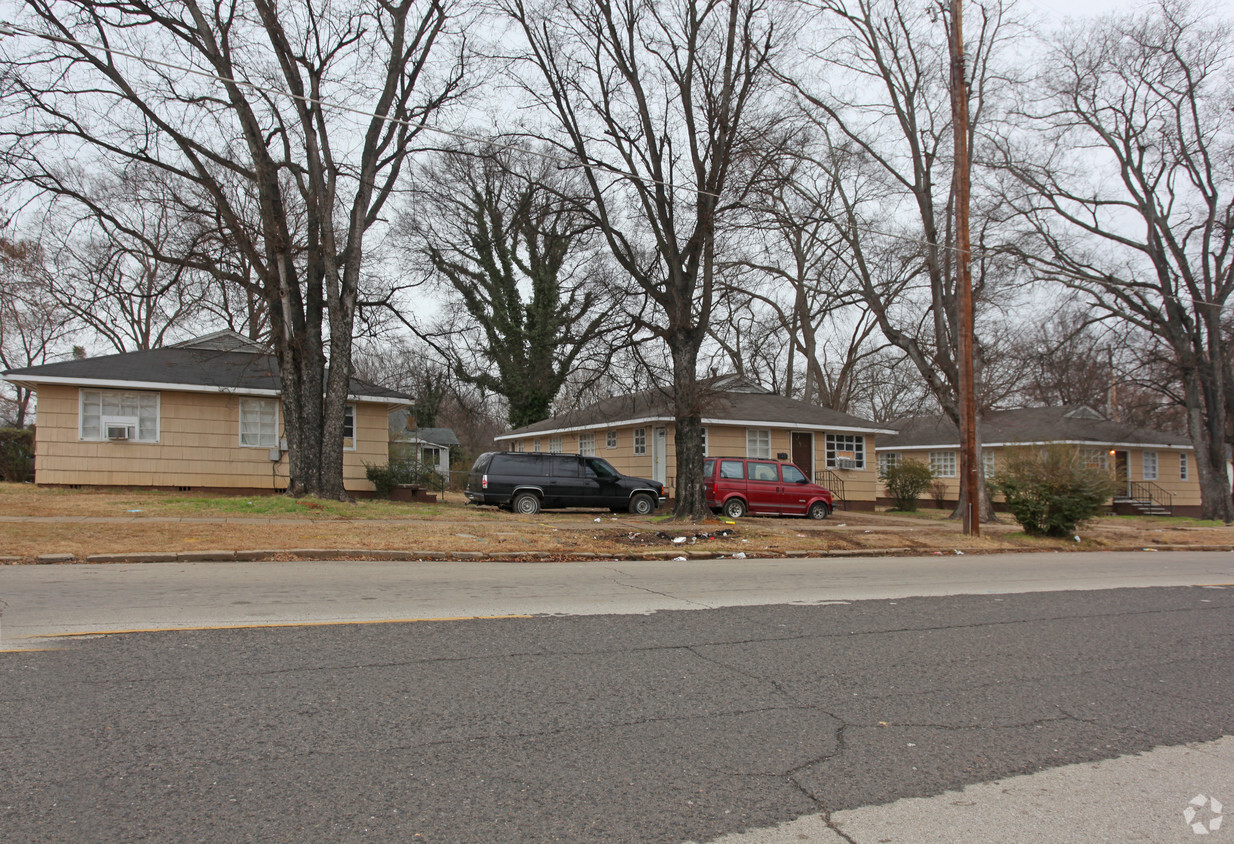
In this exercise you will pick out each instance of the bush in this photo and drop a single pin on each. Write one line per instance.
(906, 481)
(398, 473)
(16, 454)
(1053, 491)
(938, 491)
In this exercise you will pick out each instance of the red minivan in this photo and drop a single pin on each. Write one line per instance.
(740, 485)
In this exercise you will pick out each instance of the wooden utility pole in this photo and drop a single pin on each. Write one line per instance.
(969, 480)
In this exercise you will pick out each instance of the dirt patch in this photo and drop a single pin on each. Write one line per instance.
(35, 522)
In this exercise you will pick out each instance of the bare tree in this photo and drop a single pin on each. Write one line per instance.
(663, 107)
(107, 271)
(791, 270)
(506, 235)
(287, 124)
(32, 321)
(879, 96)
(1127, 185)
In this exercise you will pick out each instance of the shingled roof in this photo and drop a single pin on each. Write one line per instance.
(728, 400)
(219, 362)
(1074, 424)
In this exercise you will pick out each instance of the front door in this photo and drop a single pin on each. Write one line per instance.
(659, 452)
(1122, 472)
(803, 452)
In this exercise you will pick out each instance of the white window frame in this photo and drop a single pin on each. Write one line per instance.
(140, 433)
(264, 439)
(704, 430)
(640, 440)
(1184, 467)
(554, 445)
(349, 410)
(888, 459)
(610, 439)
(758, 443)
(587, 444)
(1095, 458)
(535, 446)
(987, 462)
(1145, 472)
(520, 446)
(856, 443)
(943, 464)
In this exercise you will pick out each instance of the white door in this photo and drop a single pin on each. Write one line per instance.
(659, 449)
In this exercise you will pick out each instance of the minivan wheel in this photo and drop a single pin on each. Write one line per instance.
(642, 505)
(734, 508)
(526, 503)
(819, 510)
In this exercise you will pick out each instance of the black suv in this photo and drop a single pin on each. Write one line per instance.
(528, 482)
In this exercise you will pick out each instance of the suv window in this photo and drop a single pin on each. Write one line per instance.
(764, 472)
(564, 466)
(596, 467)
(792, 475)
(733, 470)
(516, 464)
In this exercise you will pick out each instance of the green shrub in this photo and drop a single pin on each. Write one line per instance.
(16, 454)
(906, 481)
(398, 473)
(1052, 491)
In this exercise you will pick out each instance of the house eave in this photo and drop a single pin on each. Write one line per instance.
(114, 384)
(1019, 444)
(742, 423)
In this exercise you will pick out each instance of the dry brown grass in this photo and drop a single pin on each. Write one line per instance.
(35, 521)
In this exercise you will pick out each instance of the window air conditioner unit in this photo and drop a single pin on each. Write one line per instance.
(119, 432)
(846, 463)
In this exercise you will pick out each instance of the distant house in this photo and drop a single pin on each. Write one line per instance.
(1157, 470)
(200, 415)
(428, 446)
(636, 433)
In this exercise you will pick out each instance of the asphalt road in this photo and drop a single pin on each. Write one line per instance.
(52, 600)
(672, 726)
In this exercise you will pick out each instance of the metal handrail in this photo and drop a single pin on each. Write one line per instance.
(835, 483)
(1151, 493)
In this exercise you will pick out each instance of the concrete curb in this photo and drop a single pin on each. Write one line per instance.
(416, 555)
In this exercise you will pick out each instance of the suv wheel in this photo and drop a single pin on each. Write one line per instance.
(526, 503)
(819, 510)
(642, 505)
(734, 508)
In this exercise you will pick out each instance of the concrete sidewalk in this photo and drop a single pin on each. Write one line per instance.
(1171, 794)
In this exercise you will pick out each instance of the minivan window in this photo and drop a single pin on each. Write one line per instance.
(792, 475)
(565, 466)
(763, 472)
(733, 470)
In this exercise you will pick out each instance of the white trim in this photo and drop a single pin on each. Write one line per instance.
(278, 409)
(148, 386)
(707, 421)
(1089, 443)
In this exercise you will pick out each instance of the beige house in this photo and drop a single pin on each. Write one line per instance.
(636, 433)
(1156, 470)
(200, 415)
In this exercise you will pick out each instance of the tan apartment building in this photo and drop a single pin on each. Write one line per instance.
(1156, 470)
(637, 434)
(200, 415)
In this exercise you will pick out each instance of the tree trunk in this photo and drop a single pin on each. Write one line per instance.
(691, 500)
